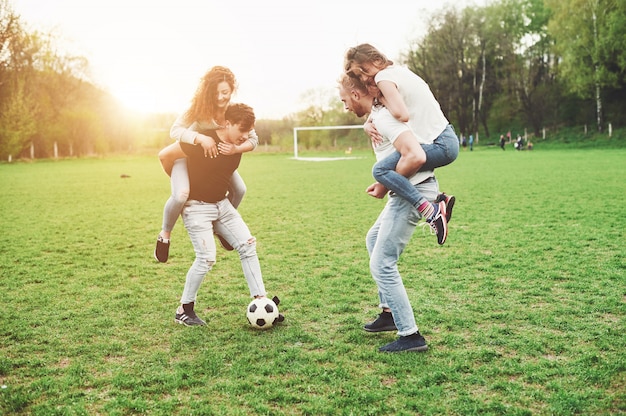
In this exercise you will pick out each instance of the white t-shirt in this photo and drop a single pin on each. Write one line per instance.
(425, 115)
(390, 129)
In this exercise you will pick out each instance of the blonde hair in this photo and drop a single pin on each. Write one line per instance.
(350, 83)
(356, 56)
(204, 102)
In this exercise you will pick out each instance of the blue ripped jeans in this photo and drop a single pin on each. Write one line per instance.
(441, 152)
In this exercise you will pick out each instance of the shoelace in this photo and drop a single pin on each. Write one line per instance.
(428, 226)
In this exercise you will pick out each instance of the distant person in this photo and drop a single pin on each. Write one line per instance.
(463, 141)
(208, 209)
(205, 114)
(471, 142)
(409, 99)
(395, 225)
(502, 141)
(519, 144)
(530, 145)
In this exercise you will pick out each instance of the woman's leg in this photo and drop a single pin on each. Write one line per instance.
(442, 151)
(385, 173)
(237, 189)
(179, 182)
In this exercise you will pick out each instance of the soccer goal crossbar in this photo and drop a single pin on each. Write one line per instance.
(297, 129)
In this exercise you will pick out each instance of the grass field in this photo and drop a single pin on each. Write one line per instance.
(524, 307)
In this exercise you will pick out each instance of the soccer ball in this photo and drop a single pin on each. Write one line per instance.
(262, 313)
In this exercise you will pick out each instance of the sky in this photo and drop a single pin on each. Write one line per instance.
(152, 54)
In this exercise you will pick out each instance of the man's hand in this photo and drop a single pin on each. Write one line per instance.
(377, 190)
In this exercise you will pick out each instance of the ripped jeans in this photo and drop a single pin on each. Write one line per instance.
(200, 218)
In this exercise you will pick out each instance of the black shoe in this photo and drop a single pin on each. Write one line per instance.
(224, 243)
(383, 323)
(162, 250)
(449, 200)
(281, 317)
(439, 224)
(189, 319)
(414, 342)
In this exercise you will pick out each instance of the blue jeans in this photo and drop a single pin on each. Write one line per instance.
(200, 218)
(385, 243)
(443, 151)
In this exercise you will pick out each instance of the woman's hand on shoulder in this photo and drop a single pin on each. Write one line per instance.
(208, 145)
(371, 131)
(227, 149)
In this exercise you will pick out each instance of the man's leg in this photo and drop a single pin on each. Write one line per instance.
(384, 321)
(198, 219)
(397, 224)
(232, 227)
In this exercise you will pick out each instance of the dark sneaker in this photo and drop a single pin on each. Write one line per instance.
(383, 323)
(439, 223)
(189, 319)
(281, 317)
(224, 243)
(414, 342)
(162, 250)
(449, 200)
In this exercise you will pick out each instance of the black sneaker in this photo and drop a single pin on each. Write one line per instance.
(162, 250)
(439, 223)
(383, 323)
(224, 243)
(414, 342)
(189, 319)
(449, 200)
(281, 317)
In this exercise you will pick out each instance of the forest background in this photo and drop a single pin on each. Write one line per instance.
(547, 70)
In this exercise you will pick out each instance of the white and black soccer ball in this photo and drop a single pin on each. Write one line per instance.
(262, 313)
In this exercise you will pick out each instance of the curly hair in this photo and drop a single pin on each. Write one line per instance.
(204, 102)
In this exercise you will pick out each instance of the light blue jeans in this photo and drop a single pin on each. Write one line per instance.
(385, 243)
(443, 151)
(200, 218)
(179, 183)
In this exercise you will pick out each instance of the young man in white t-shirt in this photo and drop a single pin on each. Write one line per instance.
(395, 225)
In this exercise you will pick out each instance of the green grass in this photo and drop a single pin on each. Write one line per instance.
(524, 307)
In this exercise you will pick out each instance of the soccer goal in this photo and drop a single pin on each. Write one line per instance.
(297, 129)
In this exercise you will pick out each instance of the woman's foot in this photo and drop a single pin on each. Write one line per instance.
(162, 250)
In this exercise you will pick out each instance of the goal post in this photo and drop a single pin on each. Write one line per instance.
(297, 129)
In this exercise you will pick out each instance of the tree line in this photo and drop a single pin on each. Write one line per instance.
(531, 64)
(513, 65)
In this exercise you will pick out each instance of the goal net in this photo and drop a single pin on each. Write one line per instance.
(331, 140)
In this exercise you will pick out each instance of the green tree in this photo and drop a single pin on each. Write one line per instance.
(17, 122)
(590, 37)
